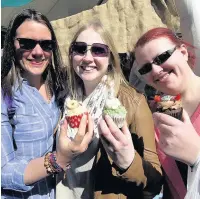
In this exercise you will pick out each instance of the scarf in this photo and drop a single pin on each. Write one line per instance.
(79, 180)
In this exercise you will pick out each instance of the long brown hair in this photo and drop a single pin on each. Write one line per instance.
(10, 69)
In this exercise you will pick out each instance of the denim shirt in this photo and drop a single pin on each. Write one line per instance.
(33, 122)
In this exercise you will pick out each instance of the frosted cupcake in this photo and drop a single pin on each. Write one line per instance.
(74, 113)
(170, 105)
(116, 111)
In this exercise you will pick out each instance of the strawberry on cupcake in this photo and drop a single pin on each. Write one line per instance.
(75, 111)
(170, 105)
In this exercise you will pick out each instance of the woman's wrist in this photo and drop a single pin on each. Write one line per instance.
(62, 161)
(51, 168)
(196, 162)
(195, 152)
(51, 164)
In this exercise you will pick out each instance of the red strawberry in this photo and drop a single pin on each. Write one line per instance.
(178, 97)
(157, 98)
(74, 121)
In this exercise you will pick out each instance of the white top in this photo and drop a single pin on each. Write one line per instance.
(193, 181)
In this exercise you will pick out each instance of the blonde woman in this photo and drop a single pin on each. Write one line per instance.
(118, 162)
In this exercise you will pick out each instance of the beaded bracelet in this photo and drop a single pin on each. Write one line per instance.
(55, 165)
(47, 164)
(52, 166)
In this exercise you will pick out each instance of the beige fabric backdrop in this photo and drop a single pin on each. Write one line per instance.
(126, 20)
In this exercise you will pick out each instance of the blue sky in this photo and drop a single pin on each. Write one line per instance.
(14, 3)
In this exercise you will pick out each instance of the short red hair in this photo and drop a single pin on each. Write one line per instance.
(159, 32)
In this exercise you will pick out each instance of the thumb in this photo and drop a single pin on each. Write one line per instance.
(185, 117)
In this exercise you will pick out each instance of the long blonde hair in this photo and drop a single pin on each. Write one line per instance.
(114, 69)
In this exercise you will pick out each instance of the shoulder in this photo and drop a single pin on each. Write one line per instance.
(136, 106)
(132, 100)
(129, 93)
(6, 101)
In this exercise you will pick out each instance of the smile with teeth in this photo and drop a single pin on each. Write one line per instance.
(88, 68)
(162, 77)
(36, 62)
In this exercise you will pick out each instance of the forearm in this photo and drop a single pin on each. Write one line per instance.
(142, 171)
(145, 169)
(20, 175)
(143, 174)
(32, 175)
(190, 153)
(35, 171)
(148, 161)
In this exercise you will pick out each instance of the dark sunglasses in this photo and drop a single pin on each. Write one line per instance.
(29, 44)
(97, 49)
(160, 59)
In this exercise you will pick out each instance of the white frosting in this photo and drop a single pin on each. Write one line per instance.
(73, 107)
(72, 104)
(167, 98)
(112, 103)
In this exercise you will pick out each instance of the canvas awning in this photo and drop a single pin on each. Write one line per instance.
(53, 9)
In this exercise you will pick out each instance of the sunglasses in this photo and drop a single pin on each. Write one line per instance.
(29, 44)
(160, 59)
(97, 49)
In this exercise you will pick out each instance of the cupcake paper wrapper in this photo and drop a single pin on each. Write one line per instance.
(118, 120)
(74, 121)
(174, 113)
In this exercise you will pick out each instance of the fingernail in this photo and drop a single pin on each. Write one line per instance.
(107, 116)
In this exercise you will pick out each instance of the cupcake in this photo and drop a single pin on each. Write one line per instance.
(170, 105)
(116, 111)
(74, 113)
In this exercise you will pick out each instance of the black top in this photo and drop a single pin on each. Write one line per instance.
(183, 168)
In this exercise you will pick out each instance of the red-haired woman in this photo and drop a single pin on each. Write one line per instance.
(163, 62)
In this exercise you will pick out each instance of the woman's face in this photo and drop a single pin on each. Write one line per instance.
(32, 56)
(168, 71)
(91, 65)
